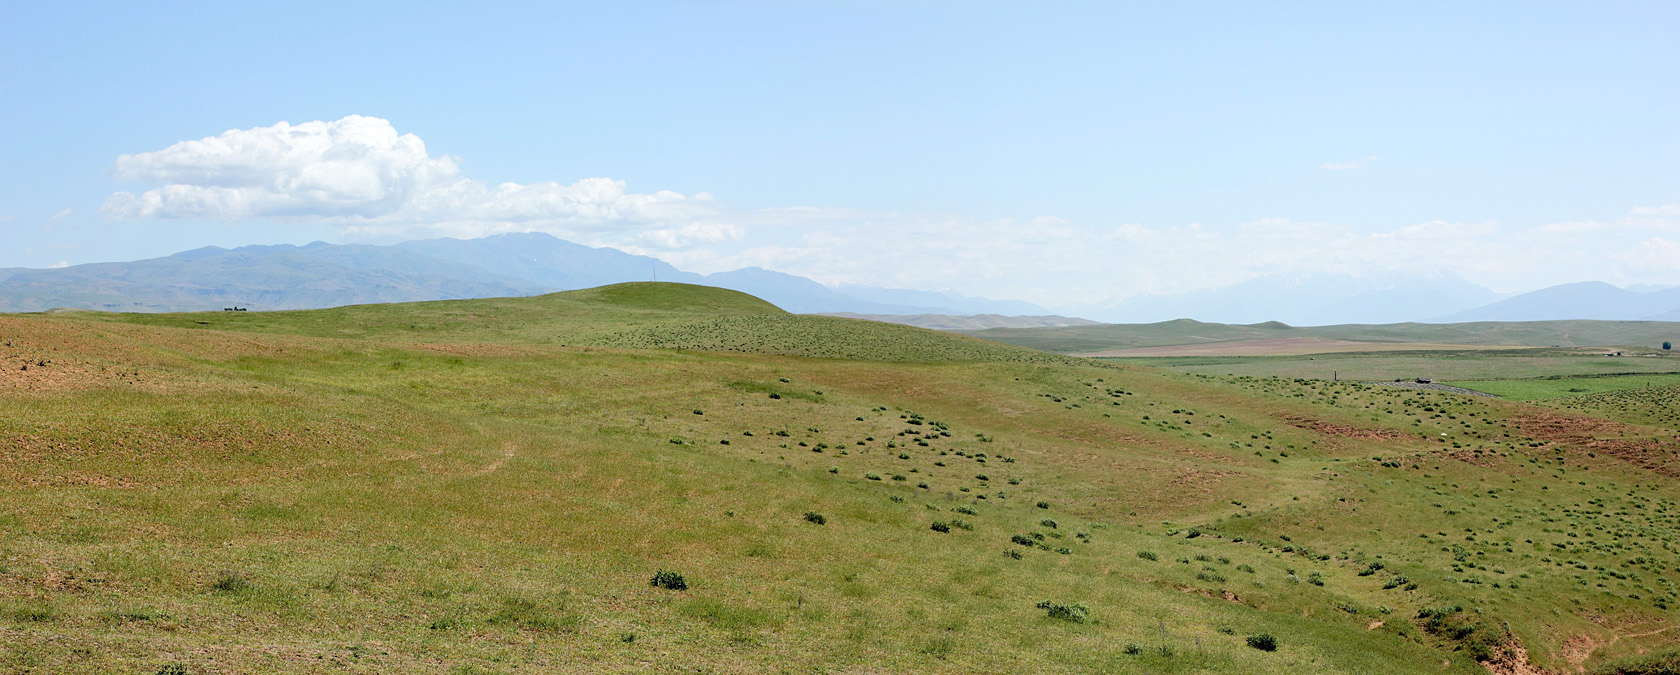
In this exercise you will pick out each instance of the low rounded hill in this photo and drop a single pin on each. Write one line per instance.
(638, 315)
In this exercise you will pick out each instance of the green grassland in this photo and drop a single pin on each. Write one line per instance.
(1086, 339)
(1478, 365)
(1654, 406)
(1537, 388)
(488, 486)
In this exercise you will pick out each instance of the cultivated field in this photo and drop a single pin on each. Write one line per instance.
(491, 486)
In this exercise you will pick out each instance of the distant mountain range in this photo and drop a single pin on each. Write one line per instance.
(1307, 300)
(1585, 300)
(1325, 300)
(329, 275)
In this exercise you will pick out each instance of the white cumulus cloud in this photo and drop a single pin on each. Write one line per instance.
(359, 173)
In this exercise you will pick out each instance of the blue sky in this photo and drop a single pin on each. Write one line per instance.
(1064, 153)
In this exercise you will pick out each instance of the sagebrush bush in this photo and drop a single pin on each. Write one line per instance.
(814, 517)
(1148, 555)
(1263, 642)
(940, 526)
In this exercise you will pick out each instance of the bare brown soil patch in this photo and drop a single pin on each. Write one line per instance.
(1510, 659)
(1578, 649)
(1344, 430)
(1584, 433)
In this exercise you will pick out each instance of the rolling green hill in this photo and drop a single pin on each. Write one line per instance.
(639, 315)
(497, 486)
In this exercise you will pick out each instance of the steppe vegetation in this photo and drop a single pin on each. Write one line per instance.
(659, 478)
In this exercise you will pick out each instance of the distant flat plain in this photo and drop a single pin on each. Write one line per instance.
(1290, 346)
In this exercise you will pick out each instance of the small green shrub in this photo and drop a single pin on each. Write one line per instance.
(1043, 505)
(1263, 642)
(872, 476)
(1148, 555)
(669, 580)
(1075, 613)
(966, 510)
(1023, 540)
(814, 517)
(1048, 523)
(940, 526)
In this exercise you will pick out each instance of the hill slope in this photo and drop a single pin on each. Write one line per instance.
(450, 487)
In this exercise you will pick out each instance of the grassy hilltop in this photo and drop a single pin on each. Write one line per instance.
(488, 486)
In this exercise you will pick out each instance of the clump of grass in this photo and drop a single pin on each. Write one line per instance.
(231, 581)
(28, 613)
(1048, 523)
(1023, 540)
(1263, 642)
(531, 614)
(669, 580)
(1043, 505)
(1148, 555)
(1075, 612)
(814, 517)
